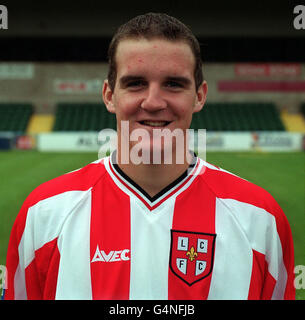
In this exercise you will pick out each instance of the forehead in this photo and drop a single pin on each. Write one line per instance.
(155, 55)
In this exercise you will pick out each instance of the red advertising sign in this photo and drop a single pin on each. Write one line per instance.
(78, 86)
(25, 142)
(268, 69)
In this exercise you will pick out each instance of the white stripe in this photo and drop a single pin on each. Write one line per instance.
(233, 257)
(19, 283)
(261, 230)
(45, 222)
(210, 166)
(150, 247)
(74, 275)
(257, 230)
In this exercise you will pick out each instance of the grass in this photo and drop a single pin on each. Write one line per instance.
(282, 174)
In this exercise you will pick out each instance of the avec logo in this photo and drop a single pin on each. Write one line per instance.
(112, 256)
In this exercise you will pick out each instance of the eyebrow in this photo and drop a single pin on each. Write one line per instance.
(125, 79)
(184, 80)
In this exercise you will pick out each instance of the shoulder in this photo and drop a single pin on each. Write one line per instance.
(226, 185)
(57, 196)
(249, 205)
(78, 180)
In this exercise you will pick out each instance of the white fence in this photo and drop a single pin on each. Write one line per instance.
(215, 141)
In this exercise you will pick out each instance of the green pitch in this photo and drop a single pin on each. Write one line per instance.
(282, 174)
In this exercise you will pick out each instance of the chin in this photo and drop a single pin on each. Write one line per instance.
(150, 152)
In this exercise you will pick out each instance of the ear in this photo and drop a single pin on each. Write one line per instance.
(108, 97)
(201, 96)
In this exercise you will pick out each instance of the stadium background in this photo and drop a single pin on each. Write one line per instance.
(53, 63)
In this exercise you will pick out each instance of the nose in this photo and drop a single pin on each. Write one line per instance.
(153, 100)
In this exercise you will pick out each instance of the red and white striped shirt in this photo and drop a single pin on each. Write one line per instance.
(94, 234)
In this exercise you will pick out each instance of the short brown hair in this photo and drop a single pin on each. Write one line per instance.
(154, 25)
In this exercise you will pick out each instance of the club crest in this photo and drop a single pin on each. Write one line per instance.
(192, 254)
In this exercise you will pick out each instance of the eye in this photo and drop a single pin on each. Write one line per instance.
(173, 84)
(135, 84)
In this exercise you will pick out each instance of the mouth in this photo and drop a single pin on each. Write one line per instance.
(154, 123)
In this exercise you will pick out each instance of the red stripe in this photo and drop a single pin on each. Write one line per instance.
(12, 258)
(193, 216)
(110, 231)
(41, 274)
(262, 283)
(252, 86)
(141, 198)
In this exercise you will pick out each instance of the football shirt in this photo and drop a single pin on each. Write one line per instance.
(94, 234)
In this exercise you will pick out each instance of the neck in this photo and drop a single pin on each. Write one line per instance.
(154, 177)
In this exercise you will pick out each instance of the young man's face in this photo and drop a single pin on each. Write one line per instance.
(155, 87)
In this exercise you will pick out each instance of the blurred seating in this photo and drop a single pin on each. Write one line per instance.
(213, 117)
(83, 117)
(238, 117)
(15, 116)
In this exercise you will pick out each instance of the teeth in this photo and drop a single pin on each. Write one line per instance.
(155, 123)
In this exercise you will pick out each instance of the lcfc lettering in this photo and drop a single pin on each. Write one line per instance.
(112, 256)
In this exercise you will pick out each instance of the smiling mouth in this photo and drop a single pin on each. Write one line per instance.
(152, 123)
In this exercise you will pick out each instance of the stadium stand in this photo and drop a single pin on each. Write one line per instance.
(15, 117)
(238, 117)
(83, 117)
(213, 117)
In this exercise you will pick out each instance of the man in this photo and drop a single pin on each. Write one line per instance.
(121, 228)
